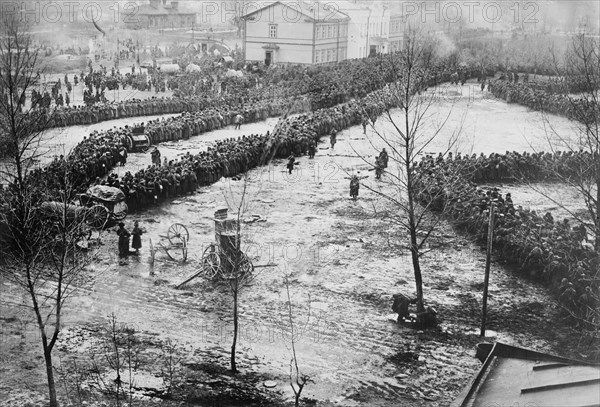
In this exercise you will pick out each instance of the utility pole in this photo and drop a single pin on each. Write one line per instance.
(488, 260)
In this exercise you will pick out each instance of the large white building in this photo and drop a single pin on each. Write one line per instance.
(299, 32)
(368, 29)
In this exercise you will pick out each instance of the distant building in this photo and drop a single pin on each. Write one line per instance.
(368, 29)
(299, 32)
(160, 15)
(397, 32)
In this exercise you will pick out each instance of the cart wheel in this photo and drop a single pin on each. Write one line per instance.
(120, 211)
(130, 144)
(177, 234)
(211, 263)
(97, 216)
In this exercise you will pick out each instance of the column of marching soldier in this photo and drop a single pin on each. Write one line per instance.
(582, 109)
(560, 255)
(93, 159)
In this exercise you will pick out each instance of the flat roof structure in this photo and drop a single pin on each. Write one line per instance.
(512, 376)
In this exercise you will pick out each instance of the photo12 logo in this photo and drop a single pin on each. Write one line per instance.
(260, 11)
(69, 11)
(470, 11)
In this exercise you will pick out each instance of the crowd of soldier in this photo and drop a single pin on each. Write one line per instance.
(555, 252)
(579, 109)
(530, 167)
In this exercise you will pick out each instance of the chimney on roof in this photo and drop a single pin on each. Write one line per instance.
(154, 3)
(164, 2)
(175, 4)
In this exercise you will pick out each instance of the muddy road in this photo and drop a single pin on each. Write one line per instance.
(344, 263)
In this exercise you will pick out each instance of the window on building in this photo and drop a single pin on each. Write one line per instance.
(318, 32)
(329, 31)
(272, 30)
(317, 57)
(334, 55)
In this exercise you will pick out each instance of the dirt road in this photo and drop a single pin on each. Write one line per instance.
(345, 263)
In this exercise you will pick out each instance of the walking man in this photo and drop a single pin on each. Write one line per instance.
(238, 121)
(333, 137)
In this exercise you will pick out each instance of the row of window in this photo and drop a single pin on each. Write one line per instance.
(323, 56)
(325, 31)
(164, 21)
(395, 26)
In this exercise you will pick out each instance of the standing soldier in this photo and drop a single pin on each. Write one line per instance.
(333, 137)
(312, 149)
(365, 122)
(355, 185)
(290, 164)
(383, 157)
(238, 121)
(123, 240)
(155, 157)
(136, 242)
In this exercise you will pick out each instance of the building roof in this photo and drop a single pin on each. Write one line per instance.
(516, 376)
(313, 10)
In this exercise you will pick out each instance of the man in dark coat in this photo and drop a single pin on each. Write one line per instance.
(123, 240)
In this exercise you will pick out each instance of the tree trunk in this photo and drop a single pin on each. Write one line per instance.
(50, 374)
(235, 331)
(417, 269)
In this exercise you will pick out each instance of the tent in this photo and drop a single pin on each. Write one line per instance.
(233, 73)
(192, 68)
(170, 68)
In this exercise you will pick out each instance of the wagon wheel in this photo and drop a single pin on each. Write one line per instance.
(173, 252)
(122, 213)
(211, 262)
(97, 216)
(146, 147)
(130, 144)
(177, 234)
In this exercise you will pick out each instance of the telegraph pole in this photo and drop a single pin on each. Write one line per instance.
(488, 260)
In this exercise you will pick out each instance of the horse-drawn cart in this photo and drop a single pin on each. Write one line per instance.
(138, 141)
(105, 206)
(99, 207)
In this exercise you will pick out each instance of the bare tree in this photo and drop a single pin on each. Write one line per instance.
(21, 127)
(43, 257)
(40, 250)
(409, 139)
(582, 61)
(297, 379)
(236, 267)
